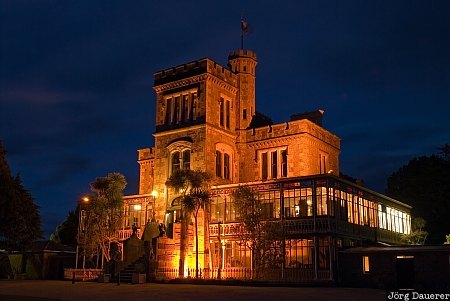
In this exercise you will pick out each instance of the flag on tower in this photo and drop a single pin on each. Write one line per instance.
(246, 29)
(244, 25)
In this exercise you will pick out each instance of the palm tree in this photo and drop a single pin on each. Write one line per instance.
(194, 186)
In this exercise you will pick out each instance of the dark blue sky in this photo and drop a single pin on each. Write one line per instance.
(76, 80)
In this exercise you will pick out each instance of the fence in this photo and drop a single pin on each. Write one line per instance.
(82, 274)
(285, 275)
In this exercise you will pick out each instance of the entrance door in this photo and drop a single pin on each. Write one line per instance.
(405, 271)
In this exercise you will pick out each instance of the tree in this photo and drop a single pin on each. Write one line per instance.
(264, 238)
(104, 213)
(66, 232)
(424, 183)
(447, 239)
(417, 236)
(19, 215)
(194, 185)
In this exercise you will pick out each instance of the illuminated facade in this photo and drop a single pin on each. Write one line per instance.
(206, 119)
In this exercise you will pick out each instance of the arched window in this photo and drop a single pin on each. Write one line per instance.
(187, 159)
(224, 161)
(179, 152)
(180, 160)
(175, 161)
(226, 166)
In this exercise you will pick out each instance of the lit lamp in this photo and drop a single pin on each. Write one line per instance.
(81, 224)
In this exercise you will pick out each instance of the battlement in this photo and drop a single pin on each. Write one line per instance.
(194, 68)
(293, 127)
(181, 71)
(146, 154)
(242, 53)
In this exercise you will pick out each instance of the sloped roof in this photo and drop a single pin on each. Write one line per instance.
(50, 246)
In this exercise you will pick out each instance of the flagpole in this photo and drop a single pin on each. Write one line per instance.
(242, 39)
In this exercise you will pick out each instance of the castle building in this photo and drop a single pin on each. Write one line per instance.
(206, 119)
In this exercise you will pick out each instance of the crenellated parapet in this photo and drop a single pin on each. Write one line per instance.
(146, 154)
(241, 53)
(289, 129)
(189, 73)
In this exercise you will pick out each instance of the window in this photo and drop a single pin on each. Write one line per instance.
(274, 164)
(193, 111)
(187, 159)
(175, 161)
(366, 264)
(184, 108)
(223, 168)
(323, 161)
(218, 164)
(224, 112)
(221, 111)
(226, 166)
(176, 110)
(324, 253)
(227, 114)
(180, 160)
(224, 161)
(168, 111)
(264, 166)
(321, 200)
(283, 163)
(180, 108)
(244, 114)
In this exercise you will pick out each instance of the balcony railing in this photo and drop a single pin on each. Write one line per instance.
(319, 225)
(126, 233)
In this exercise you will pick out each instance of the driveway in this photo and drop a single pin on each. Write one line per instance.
(92, 291)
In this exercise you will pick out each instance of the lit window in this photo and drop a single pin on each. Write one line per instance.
(366, 264)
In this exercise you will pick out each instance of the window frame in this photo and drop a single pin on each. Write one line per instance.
(273, 163)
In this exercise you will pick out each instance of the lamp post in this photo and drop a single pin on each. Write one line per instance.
(81, 229)
(154, 195)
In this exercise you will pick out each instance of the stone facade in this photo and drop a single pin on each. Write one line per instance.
(188, 116)
(206, 119)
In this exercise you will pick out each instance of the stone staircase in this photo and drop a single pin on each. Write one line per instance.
(126, 273)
